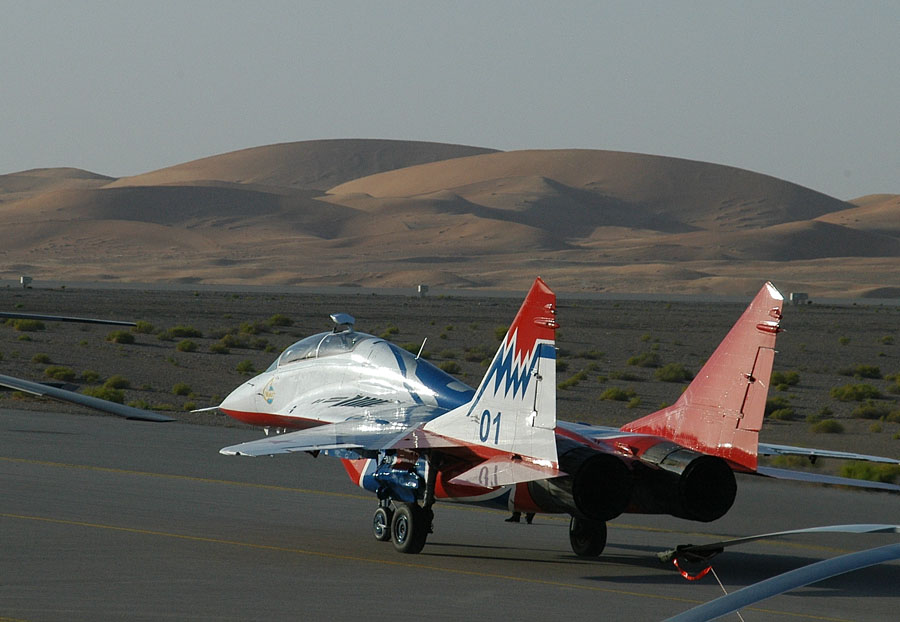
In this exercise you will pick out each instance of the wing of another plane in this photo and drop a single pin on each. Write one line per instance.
(35, 388)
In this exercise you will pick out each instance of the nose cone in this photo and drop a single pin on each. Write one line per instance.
(244, 402)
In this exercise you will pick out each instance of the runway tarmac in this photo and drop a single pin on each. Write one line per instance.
(106, 519)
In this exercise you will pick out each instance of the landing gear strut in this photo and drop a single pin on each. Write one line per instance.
(407, 523)
(587, 537)
(381, 523)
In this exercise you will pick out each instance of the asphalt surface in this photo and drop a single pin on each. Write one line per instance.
(107, 519)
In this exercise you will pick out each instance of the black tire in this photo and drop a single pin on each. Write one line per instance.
(381, 523)
(409, 528)
(587, 537)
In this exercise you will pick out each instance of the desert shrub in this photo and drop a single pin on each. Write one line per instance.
(451, 367)
(260, 343)
(189, 406)
(573, 380)
(634, 402)
(251, 328)
(647, 359)
(186, 345)
(181, 388)
(673, 372)
(390, 331)
(105, 393)
(500, 332)
(625, 376)
(219, 348)
(618, 394)
(875, 428)
(893, 417)
(90, 376)
(844, 341)
(58, 372)
(279, 319)
(28, 326)
(476, 353)
(789, 378)
(782, 414)
(827, 426)
(776, 403)
(24, 338)
(887, 340)
(448, 354)
(562, 365)
(117, 382)
(870, 410)
(143, 328)
(894, 388)
(245, 367)
(591, 355)
(857, 469)
(855, 392)
(120, 336)
(233, 341)
(183, 332)
(861, 371)
(41, 358)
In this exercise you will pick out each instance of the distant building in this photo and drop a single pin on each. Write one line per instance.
(25, 281)
(799, 298)
(423, 289)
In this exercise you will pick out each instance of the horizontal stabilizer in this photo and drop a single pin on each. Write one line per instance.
(505, 471)
(767, 449)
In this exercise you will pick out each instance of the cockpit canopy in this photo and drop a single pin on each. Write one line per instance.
(321, 345)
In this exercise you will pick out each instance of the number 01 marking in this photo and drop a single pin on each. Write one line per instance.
(484, 427)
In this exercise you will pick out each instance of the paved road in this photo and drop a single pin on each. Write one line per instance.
(106, 519)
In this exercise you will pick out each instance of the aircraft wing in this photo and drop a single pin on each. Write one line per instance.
(821, 478)
(43, 390)
(377, 430)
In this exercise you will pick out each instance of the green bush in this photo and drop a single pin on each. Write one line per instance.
(41, 358)
(89, 376)
(855, 392)
(634, 402)
(827, 426)
(856, 469)
(143, 328)
(573, 380)
(451, 367)
(870, 410)
(789, 378)
(782, 414)
(500, 332)
(28, 326)
(58, 372)
(186, 345)
(181, 332)
(625, 376)
(673, 372)
(776, 403)
(120, 336)
(181, 388)
(245, 367)
(105, 393)
(618, 394)
(647, 359)
(280, 319)
(219, 348)
(861, 371)
(390, 331)
(117, 382)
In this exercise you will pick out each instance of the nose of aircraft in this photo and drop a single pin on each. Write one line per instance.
(241, 401)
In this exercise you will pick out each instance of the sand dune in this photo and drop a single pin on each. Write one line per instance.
(396, 213)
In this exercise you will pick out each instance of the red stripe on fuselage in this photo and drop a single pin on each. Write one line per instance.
(272, 421)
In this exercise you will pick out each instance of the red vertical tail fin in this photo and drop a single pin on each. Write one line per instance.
(721, 411)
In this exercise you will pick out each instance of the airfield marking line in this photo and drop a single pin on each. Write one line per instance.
(387, 562)
(345, 495)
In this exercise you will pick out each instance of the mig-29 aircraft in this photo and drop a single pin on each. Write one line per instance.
(414, 435)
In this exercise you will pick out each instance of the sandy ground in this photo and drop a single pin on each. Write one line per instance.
(597, 336)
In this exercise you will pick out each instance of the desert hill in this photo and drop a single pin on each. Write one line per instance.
(384, 213)
(316, 164)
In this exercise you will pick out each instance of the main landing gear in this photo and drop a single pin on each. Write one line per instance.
(407, 524)
(587, 537)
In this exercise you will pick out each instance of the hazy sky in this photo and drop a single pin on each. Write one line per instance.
(804, 91)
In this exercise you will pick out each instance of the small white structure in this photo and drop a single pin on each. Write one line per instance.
(423, 289)
(799, 298)
(25, 281)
